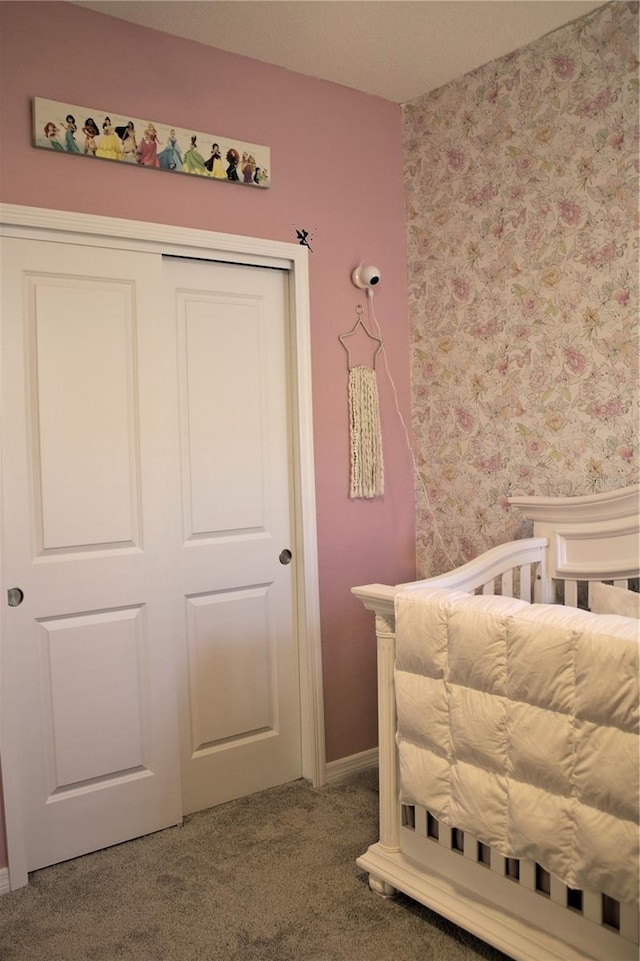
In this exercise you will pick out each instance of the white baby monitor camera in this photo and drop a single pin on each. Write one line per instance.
(365, 276)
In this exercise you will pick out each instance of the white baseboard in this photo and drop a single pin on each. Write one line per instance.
(4, 881)
(335, 770)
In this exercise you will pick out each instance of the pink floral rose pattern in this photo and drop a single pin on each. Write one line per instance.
(522, 188)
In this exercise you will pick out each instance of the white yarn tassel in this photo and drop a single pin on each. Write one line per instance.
(367, 466)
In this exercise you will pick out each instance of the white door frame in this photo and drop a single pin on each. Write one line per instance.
(58, 226)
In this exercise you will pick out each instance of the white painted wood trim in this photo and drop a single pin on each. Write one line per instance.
(344, 766)
(40, 222)
(308, 597)
(16, 871)
(67, 227)
(4, 881)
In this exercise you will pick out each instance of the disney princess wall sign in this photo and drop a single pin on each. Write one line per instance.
(101, 135)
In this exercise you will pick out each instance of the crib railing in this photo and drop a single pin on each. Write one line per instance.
(516, 569)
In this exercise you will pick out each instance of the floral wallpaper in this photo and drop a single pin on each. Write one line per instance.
(522, 216)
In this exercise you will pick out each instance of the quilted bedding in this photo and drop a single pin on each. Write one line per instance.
(519, 723)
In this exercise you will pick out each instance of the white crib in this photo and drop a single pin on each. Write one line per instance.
(512, 904)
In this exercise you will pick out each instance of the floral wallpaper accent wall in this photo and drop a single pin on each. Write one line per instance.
(522, 216)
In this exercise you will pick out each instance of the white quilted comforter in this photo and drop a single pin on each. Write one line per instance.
(519, 724)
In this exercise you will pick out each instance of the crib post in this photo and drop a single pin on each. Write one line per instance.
(390, 812)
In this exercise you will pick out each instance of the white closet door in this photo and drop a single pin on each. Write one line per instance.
(86, 356)
(146, 502)
(240, 689)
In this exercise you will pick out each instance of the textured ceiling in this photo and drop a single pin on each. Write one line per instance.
(396, 49)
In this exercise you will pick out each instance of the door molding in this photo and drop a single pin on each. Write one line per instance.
(58, 226)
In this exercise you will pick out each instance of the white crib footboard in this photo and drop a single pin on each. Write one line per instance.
(527, 925)
(512, 904)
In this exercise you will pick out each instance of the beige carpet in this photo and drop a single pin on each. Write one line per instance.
(271, 877)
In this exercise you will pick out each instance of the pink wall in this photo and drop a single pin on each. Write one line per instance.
(336, 162)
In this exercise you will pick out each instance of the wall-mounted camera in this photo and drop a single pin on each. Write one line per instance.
(365, 276)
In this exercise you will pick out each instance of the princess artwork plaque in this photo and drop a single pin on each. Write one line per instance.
(107, 135)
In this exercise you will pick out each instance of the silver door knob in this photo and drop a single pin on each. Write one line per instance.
(15, 596)
(285, 556)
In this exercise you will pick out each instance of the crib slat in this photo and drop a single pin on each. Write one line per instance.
(528, 874)
(525, 583)
(444, 835)
(622, 583)
(629, 922)
(592, 906)
(558, 891)
(421, 821)
(498, 863)
(571, 593)
(506, 584)
(470, 846)
(488, 588)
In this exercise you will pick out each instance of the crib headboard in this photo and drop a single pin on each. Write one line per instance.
(594, 537)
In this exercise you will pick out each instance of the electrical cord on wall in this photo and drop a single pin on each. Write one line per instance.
(372, 316)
